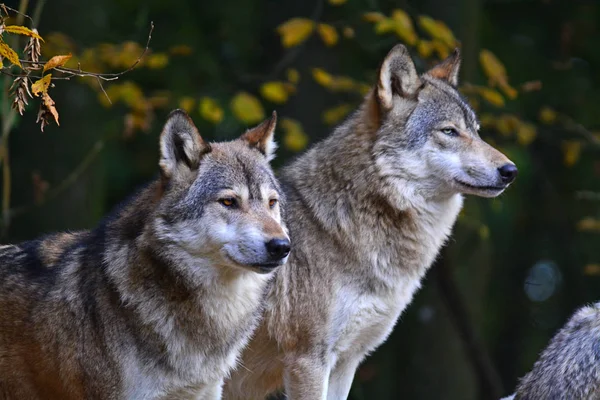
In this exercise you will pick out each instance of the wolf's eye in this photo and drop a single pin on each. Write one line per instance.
(273, 203)
(228, 202)
(450, 131)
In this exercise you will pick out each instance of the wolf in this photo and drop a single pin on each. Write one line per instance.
(159, 299)
(368, 209)
(569, 368)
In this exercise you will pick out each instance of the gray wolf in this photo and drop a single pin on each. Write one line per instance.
(368, 209)
(159, 299)
(569, 368)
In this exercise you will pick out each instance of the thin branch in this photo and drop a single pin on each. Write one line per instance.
(72, 178)
(21, 12)
(71, 72)
(103, 91)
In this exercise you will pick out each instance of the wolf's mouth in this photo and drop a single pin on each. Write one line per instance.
(267, 267)
(486, 188)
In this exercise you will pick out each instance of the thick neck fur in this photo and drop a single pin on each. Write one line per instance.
(189, 304)
(361, 204)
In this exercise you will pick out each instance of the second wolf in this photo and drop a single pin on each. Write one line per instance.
(368, 210)
(157, 301)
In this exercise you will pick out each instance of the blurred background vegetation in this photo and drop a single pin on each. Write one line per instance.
(516, 266)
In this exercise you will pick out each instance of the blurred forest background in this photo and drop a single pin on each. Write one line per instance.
(516, 267)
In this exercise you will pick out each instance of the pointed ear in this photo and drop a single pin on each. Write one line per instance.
(261, 137)
(448, 69)
(180, 144)
(397, 76)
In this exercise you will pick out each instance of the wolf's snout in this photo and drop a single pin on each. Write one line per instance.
(508, 173)
(278, 248)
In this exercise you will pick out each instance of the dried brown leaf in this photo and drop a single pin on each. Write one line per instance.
(49, 103)
(41, 85)
(57, 61)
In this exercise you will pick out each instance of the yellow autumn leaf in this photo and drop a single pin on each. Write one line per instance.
(425, 48)
(180, 50)
(9, 54)
(1, 63)
(526, 133)
(210, 110)
(293, 76)
(491, 96)
(328, 34)
(295, 31)
(157, 61)
(334, 115)
(294, 137)
(41, 85)
(571, 152)
(247, 108)
(342, 84)
(57, 61)
(588, 224)
(187, 103)
(437, 30)
(336, 2)
(21, 30)
(131, 94)
(348, 32)
(493, 68)
(440, 48)
(508, 90)
(591, 270)
(547, 115)
(384, 25)
(373, 16)
(274, 91)
(403, 27)
(322, 77)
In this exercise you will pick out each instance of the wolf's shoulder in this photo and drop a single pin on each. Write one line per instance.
(41, 257)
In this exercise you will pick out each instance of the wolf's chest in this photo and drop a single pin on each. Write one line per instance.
(363, 321)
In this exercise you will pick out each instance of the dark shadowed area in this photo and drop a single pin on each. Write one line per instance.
(516, 266)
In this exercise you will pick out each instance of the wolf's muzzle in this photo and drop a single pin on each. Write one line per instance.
(508, 173)
(278, 248)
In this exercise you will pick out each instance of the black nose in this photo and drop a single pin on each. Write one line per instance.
(508, 172)
(278, 248)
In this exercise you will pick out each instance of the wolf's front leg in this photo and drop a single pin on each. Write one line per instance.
(340, 379)
(306, 378)
(211, 392)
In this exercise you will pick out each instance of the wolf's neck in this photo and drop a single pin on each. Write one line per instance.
(344, 190)
(339, 178)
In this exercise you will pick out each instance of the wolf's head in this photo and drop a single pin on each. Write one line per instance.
(428, 134)
(221, 201)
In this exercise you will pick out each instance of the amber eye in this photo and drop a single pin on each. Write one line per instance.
(272, 203)
(229, 202)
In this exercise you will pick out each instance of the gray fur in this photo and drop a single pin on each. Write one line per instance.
(569, 368)
(156, 302)
(368, 209)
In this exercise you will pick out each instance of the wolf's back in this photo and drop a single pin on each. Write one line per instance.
(569, 368)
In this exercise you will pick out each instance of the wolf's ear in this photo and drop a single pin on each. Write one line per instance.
(397, 76)
(448, 69)
(180, 144)
(261, 137)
